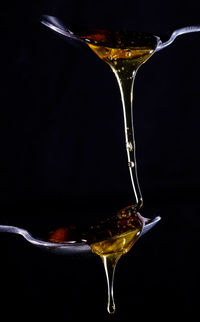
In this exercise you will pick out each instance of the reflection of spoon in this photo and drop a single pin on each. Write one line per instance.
(69, 247)
(56, 25)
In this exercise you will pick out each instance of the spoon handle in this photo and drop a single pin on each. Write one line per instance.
(57, 25)
(177, 32)
(22, 232)
(68, 247)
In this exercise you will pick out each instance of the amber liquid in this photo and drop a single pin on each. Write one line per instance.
(124, 53)
(119, 240)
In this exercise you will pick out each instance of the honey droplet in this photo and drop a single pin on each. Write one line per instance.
(129, 146)
(131, 164)
(128, 53)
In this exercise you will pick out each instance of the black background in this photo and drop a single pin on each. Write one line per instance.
(63, 160)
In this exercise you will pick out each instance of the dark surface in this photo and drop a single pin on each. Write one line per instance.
(63, 160)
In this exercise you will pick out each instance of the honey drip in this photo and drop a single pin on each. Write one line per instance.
(124, 55)
(120, 236)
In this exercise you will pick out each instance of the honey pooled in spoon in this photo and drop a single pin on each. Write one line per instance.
(121, 234)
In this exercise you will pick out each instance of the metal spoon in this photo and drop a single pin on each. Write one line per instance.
(69, 247)
(58, 26)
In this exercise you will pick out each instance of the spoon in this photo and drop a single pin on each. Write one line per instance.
(69, 247)
(58, 26)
